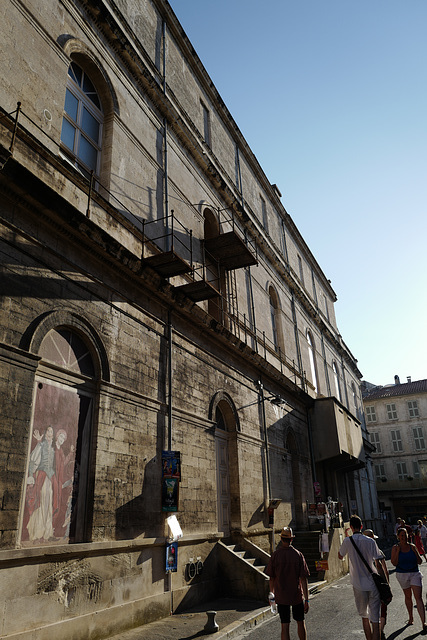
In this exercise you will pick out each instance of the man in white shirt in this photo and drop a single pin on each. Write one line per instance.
(366, 595)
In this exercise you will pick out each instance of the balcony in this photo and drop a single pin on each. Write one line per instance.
(337, 436)
(231, 251)
(97, 219)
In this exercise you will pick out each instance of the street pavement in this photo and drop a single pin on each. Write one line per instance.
(332, 615)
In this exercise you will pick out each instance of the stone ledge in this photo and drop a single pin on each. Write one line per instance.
(50, 554)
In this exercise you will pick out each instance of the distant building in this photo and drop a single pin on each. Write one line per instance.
(396, 417)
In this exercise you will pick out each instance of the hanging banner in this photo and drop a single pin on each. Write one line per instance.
(170, 494)
(171, 477)
(171, 464)
(171, 557)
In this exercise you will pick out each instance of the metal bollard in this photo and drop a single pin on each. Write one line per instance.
(211, 625)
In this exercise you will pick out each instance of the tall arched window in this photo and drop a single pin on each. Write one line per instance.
(214, 273)
(355, 401)
(82, 123)
(275, 317)
(336, 381)
(312, 358)
(57, 487)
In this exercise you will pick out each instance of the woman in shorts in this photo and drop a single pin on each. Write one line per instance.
(405, 557)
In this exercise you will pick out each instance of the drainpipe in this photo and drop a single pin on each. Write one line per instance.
(264, 425)
(169, 383)
(267, 456)
(165, 135)
(169, 327)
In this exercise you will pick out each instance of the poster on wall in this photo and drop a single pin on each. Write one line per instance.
(171, 556)
(171, 477)
(53, 475)
(170, 494)
(171, 464)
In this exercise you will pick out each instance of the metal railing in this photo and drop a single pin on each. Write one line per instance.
(172, 231)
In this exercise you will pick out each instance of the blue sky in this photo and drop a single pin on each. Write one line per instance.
(331, 96)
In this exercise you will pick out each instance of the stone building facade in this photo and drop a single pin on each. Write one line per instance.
(155, 297)
(396, 418)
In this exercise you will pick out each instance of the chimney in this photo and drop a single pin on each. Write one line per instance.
(396, 380)
(408, 379)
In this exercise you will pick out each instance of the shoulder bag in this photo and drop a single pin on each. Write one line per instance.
(380, 582)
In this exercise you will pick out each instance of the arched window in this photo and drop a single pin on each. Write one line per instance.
(355, 401)
(336, 381)
(312, 358)
(214, 273)
(275, 317)
(82, 123)
(58, 479)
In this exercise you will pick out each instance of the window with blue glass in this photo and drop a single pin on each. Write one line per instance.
(81, 134)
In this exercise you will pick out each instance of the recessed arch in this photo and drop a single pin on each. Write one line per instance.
(223, 412)
(215, 274)
(77, 50)
(275, 317)
(39, 328)
(336, 380)
(223, 401)
(87, 124)
(56, 504)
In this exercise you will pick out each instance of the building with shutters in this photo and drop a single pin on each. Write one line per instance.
(168, 342)
(396, 417)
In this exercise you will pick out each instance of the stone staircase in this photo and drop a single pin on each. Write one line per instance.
(308, 543)
(242, 566)
(258, 563)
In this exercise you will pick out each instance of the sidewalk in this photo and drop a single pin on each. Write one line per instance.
(234, 617)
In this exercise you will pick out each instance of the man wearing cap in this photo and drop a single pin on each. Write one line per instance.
(366, 595)
(288, 573)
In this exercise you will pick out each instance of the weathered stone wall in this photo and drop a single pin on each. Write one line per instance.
(73, 262)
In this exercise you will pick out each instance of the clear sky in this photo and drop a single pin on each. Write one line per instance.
(331, 96)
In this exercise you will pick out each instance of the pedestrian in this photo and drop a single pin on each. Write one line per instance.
(383, 571)
(397, 525)
(423, 531)
(419, 544)
(408, 529)
(366, 595)
(288, 573)
(405, 557)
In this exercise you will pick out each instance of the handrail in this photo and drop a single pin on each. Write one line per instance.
(242, 326)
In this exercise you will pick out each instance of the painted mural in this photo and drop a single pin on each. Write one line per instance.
(53, 475)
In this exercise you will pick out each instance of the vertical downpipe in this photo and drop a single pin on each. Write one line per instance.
(169, 382)
(165, 142)
(166, 204)
(267, 455)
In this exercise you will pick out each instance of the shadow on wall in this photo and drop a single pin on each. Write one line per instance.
(143, 515)
(204, 586)
(259, 515)
(137, 517)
